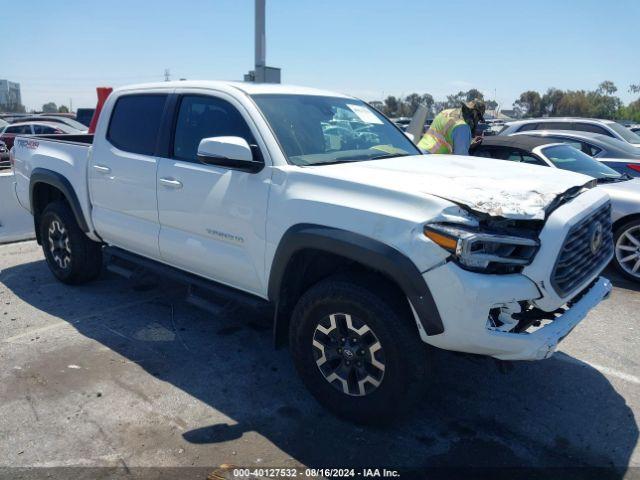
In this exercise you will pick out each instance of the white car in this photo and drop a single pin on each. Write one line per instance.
(593, 125)
(316, 204)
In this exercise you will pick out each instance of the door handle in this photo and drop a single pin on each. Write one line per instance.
(102, 169)
(171, 182)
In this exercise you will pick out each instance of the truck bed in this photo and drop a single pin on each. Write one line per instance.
(63, 155)
(85, 138)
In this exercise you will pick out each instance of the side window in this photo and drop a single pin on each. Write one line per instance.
(517, 155)
(202, 117)
(588, 127)
(43, 129)
(486, 152)
(528, 126)
(135, 123)
(590, 150)
(554, 126)
(19, 130)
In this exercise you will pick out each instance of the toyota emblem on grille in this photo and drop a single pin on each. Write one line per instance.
(595, 241)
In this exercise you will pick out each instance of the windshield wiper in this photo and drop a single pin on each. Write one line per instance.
(389, 155)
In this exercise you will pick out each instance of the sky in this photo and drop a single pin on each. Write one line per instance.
(60, 51)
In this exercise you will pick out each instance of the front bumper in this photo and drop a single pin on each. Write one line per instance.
(465, 298)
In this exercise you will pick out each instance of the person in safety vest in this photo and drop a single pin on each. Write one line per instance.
(452, 130)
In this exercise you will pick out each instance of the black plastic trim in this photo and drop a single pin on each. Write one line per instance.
(55, 179)
(366, 251)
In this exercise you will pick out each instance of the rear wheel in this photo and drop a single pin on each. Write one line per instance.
(357, 349)
(72, 257)
(627, 247)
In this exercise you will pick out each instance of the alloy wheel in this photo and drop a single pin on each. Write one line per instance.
(58, 237)
(348, 354)
(628, 251)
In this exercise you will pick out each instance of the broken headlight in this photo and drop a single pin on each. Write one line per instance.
(483, 250)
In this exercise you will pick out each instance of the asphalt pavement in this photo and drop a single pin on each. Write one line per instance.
(124, 373)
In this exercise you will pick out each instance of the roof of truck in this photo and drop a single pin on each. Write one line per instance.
(249, 88)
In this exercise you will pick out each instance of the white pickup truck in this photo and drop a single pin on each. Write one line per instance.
(314, 202)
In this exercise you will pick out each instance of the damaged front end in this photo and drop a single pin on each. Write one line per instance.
(499, 292)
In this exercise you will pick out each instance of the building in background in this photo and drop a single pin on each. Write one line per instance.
(10, 97)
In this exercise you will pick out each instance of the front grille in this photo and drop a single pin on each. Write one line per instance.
(577, 262)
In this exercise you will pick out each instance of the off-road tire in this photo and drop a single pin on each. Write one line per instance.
(74, 257)
(388, 315)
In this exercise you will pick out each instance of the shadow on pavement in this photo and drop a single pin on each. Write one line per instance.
(619, 281)
(552, 413)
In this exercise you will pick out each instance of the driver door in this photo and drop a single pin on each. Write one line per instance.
(212, 218)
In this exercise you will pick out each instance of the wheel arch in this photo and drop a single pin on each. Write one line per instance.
(622, 220)
(46, 186)
(308, 253)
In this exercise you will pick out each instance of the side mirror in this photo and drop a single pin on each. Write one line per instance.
(230, 152)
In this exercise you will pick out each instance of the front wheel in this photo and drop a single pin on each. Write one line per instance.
(627, 246)
(72, 257)
(358, 350)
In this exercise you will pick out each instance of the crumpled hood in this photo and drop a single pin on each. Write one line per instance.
(495, 187)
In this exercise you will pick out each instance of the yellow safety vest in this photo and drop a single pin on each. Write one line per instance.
(439, 137)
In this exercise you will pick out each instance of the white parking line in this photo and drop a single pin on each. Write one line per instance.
(610, 372)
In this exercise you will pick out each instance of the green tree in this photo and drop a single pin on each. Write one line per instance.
(550, 101)
(63, 109)
(391, 105)
(607, 88)
(427, 100)
(491, 104)
(529, 104)
(50, 107)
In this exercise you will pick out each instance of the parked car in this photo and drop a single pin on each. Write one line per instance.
(364, 248)
(635, 129)
(84, 115)
(55, 119)
(619, 155)
(4, 156)
(623, 189)
(10, 131)
(603, 127)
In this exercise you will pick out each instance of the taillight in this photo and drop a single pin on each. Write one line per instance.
(634, 166)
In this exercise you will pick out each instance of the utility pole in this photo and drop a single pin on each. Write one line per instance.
(167, 75)
(261, 72)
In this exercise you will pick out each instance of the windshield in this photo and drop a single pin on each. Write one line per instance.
(568, 158)
(315, 130)
(624, 132)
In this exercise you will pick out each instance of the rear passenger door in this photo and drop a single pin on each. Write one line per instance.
(122, 174)
(213, 218)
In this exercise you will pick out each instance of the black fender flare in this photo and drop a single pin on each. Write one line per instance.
(364, 250)
(57, 180)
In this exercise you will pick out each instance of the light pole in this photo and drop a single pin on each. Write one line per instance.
(261, 72)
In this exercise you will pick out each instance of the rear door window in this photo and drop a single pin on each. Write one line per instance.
(527, 127)
(135, 123)
(589, 127)
(43, 129)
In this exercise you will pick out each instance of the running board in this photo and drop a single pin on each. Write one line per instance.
(203, 293)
